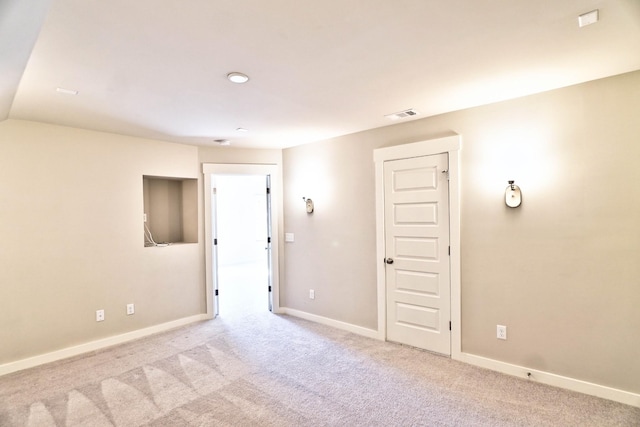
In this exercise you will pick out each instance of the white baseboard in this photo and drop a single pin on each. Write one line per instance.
(573, 384)
(616, 395)
(65, 353)
(579, 386)
(359, 330)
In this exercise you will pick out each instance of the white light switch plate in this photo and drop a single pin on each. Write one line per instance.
(588, 18)
(289, 237)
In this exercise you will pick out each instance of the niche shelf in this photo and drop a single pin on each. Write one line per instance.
(170, 209)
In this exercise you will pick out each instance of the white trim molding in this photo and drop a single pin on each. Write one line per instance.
(592, 389)
(100, 344)
(450, 145)
(584, 387)
(358, 330)
(275, 171)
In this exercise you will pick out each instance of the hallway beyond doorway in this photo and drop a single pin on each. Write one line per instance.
(256, 245)
(242, 217)
(243, 289)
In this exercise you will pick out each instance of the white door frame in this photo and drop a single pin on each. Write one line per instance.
(450, 145)
(276, 222)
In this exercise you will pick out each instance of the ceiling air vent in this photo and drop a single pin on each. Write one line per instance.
(402, 114)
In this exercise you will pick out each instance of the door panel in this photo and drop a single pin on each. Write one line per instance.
(416, 249)
(414, 281)
(417, 316)
(418, 213)
(417, 239)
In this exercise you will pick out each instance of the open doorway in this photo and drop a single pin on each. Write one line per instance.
(242, 243)
(228, 262)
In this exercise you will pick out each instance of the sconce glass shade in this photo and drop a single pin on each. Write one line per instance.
(513, 195)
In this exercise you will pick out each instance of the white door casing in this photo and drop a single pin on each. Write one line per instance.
(417, 252)
(269, 245)
(213, 258)
(450, 145)
(275, 202)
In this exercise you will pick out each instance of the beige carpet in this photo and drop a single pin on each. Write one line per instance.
(268, 370)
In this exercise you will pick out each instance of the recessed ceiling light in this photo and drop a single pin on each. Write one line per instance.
(224, 142)
(236, 77)
(242, 130)
(66, 91)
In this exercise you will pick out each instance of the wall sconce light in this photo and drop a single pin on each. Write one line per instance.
(513, 195)
(309, 204)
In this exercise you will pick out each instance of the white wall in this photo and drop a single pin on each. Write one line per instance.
(561, 271)
(71, 238)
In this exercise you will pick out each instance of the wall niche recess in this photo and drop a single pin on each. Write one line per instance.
(170, 210)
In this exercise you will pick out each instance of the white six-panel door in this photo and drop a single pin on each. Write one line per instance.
(416, 216)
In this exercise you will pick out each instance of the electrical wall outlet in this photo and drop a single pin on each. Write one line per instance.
(312, 294)
(501, 332)
(130, 309)
(99, 315)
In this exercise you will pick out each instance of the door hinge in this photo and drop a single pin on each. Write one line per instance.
(216, 292)
(446, 172)
(449, 324)
(269, 288)
(215, 242)
(214, 190)
(269, 239)
(268, 190)
(449, 250)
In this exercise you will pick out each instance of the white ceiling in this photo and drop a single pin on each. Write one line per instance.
(319, 69)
